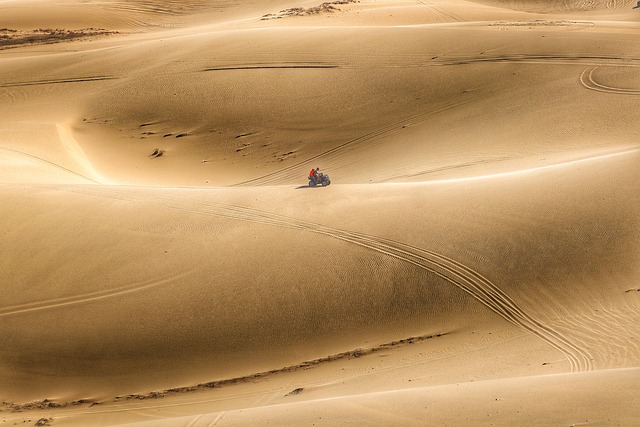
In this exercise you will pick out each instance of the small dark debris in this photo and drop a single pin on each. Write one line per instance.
(357, 353)
(295, 391)
(156, 153)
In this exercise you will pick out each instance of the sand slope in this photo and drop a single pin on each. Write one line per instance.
(503, 402)
(475, 260)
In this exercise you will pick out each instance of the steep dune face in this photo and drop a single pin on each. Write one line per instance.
(162, 256)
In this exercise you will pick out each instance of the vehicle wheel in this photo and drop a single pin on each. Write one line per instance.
(312, 183)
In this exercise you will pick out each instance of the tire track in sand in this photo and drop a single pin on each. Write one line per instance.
(440, 11)
(91, 296)
(195, 420)
(217, 419)
(587, 80)
(293, 171)
(49, 163)
(456, 273)
(160, 8)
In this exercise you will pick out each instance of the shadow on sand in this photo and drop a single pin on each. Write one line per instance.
(310, 187)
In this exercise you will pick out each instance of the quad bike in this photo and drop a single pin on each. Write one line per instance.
(322, 179)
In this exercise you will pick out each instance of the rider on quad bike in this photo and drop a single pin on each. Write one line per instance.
(316, 177)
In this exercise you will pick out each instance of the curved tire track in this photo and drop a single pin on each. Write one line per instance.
(587, 80)
(456, 273)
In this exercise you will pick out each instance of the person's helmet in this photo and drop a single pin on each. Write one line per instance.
(317, 169)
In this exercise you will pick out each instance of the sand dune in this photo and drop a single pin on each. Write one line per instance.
(502, 402)
(474, 262)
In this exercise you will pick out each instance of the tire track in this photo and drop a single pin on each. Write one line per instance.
(195, 420)
(91, 296)
(160, 8)
(217, 419)
(441, 11)
(293, 171)
(50, 163)
(586, 79)
(456, 273)
(443, 169)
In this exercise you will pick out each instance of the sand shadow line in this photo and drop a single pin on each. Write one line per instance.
(271, 67)
(58, 81)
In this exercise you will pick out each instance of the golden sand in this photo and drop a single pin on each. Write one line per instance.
(475, 261)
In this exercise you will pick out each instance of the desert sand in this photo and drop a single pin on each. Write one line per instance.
(475, 261)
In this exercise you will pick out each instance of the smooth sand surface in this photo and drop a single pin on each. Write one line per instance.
(475, 261)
